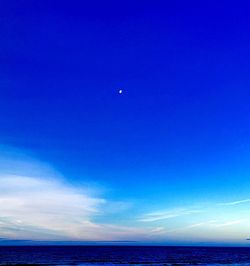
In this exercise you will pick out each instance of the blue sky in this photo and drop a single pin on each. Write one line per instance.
(166, 161)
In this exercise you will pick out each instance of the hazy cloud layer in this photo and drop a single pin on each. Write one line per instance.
(37, 203)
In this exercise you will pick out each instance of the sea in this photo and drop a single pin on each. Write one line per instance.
(123, 255)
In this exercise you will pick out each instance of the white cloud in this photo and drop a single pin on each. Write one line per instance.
(37, 204)
(32, 208)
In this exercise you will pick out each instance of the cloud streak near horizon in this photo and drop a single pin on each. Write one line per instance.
(234, 202)
(157, 216)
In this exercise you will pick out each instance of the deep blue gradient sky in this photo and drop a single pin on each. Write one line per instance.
(179, 133)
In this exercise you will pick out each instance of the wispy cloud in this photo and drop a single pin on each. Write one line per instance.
(229, 223)
(163, 215)
(234, 202)
(191, 226)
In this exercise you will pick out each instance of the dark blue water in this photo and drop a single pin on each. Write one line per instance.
(122, 255)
